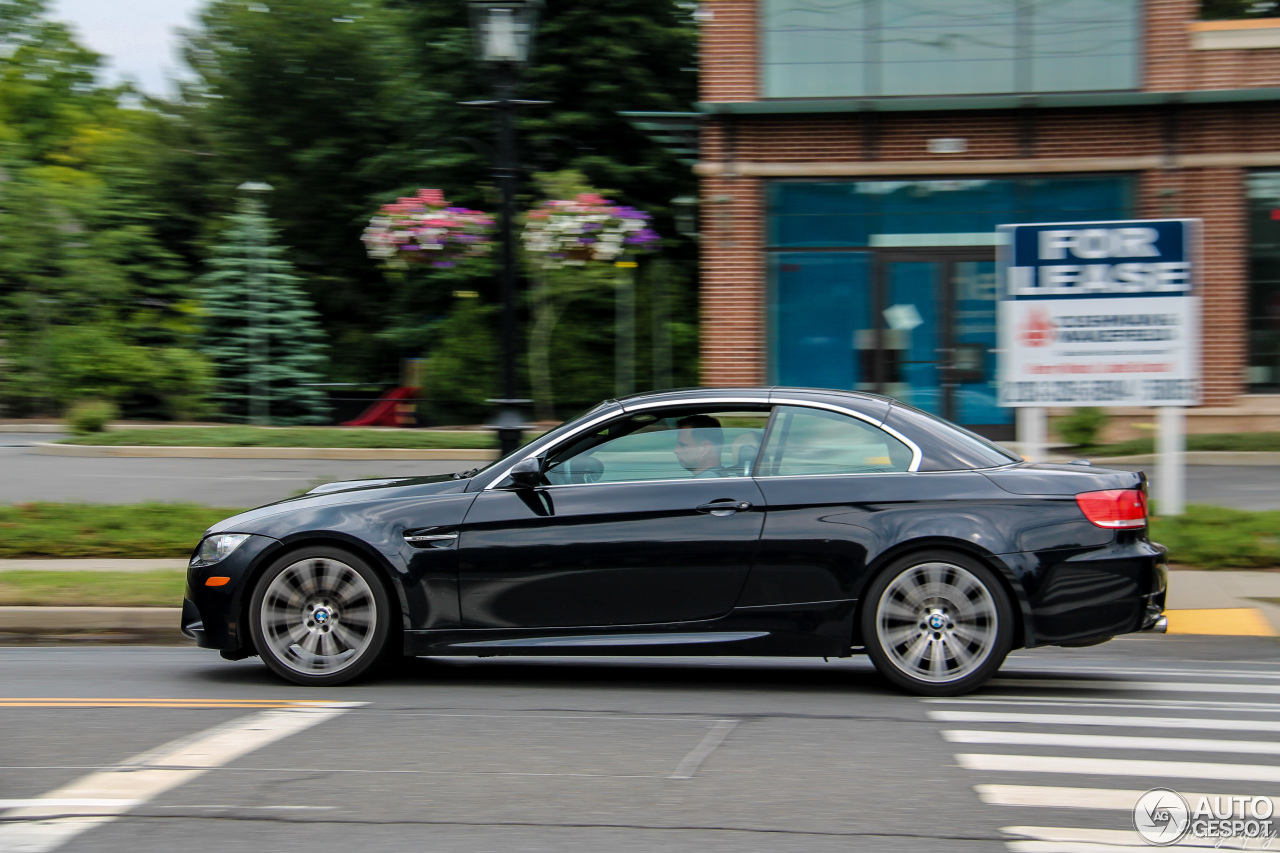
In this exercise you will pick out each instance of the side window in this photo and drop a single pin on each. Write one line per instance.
(677, 444)
(813, 441)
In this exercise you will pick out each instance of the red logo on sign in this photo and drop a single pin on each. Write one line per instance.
(1039, 330)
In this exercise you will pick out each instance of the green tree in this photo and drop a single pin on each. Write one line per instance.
(330, 71)
(364, 107)
(91, 301)
(260, 329)
(461, 372)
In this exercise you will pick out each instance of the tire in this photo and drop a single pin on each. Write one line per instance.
(320, 616)
(937, 623)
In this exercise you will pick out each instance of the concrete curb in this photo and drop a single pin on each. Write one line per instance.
(53, 565)
(109, 625)
(336, 453)
(71, 620)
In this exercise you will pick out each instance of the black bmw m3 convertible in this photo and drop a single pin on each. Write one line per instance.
(751, 521)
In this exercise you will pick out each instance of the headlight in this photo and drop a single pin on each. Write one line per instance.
(218, 547)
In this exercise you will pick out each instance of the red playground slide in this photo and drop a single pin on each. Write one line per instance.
(393, 409)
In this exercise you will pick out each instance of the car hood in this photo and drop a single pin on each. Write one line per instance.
(346, 492)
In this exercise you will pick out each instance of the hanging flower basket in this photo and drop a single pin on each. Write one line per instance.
(587, 228)
(424, 229)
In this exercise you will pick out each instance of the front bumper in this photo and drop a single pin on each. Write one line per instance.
(211, 615)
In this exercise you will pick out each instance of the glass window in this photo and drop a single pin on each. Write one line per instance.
(834, 214)
(812, 441)
(1217, 10)
(859, 48)
(1263, 373)
(815, 48)
(818, 308)
(1082, 45)
(944, 47)
(678, 444)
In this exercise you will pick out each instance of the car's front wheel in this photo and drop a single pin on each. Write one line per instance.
(319, 616)
(937, 623)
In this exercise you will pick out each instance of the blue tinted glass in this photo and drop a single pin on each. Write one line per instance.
(973, 344)
(817, 302)
(941, 207)
(1075, 199)
(874, 213)
(816, 214)
(911, 333)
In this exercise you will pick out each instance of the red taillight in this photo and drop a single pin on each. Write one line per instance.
(1115, 508)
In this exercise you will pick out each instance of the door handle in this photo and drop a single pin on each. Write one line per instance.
(724, 507)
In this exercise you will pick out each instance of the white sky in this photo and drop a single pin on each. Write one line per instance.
(137, 38)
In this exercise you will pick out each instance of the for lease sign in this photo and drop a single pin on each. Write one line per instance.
(1100, 314)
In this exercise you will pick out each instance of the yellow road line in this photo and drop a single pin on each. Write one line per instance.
(1227, 621)
(144, 702)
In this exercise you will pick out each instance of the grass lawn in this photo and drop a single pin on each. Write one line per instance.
(92, 589)
(1205, 537)
(250, 436)
(127, 531)
(1213, 537)
(1236, 441)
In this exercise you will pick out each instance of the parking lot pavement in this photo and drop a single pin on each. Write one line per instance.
(630, 754)
(1237, 486)
(235, 483)
(231, 483)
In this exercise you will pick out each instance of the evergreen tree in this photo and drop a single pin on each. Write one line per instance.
(260, 330)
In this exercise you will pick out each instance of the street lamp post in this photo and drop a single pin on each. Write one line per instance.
(504, 33)
(259, 342)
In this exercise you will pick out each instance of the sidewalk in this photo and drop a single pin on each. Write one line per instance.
(1220, 603)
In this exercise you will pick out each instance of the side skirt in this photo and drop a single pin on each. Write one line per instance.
(811, 629)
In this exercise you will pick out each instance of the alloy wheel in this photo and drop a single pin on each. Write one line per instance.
(937, 622)
(318, 616)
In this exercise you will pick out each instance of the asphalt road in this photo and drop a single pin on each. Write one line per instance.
(160, 749)
(236, 483)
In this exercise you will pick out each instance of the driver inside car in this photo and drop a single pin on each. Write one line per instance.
(700, 446)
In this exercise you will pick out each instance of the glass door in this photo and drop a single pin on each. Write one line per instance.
(911, 338)
(936, 338)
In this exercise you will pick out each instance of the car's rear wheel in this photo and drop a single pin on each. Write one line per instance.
(937, 623)
(319, 616)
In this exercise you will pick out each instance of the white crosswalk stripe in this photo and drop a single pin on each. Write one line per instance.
(1050, 742)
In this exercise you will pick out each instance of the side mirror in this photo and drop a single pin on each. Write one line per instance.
(527, 473)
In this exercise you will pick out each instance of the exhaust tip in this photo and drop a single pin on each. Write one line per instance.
(1160, 626)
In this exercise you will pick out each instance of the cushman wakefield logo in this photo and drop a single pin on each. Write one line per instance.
(1163, 817)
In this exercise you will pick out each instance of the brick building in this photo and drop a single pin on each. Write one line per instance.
(858, 155)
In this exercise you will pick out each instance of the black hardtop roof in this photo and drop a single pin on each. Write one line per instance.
(730, 392)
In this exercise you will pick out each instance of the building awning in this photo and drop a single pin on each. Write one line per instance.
(677, 132)
(1055, 100)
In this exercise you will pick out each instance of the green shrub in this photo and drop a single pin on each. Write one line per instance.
(1082, 425)
(89, 416)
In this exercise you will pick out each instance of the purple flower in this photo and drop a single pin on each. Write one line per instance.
(442, 264)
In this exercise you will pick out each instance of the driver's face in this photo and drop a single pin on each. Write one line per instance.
(690, 452)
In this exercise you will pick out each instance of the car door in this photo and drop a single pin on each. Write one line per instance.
(825, 476)
(619, 532)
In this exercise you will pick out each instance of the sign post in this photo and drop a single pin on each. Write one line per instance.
(1103, 314)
